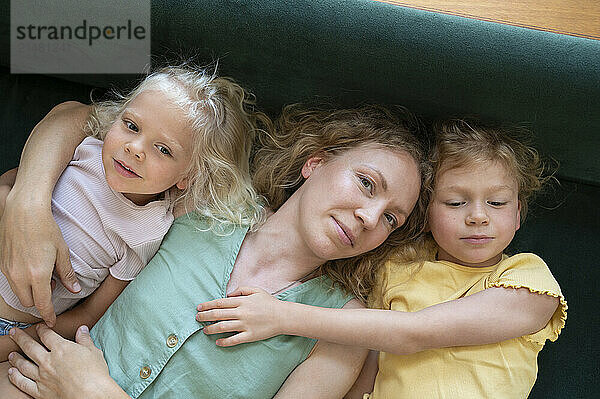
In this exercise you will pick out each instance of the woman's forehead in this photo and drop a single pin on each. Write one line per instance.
(372, 150)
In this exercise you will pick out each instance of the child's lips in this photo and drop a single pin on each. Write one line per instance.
(124, 170)
(478, 239)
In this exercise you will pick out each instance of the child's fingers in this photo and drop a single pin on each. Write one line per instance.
(244, 291)
(216, 315)
(223, 327)
(221, 303)
(236, 339)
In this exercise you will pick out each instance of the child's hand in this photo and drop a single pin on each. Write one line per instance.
(253, 312)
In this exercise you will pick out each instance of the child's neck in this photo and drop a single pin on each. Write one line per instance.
(445, 256)
(141, 199)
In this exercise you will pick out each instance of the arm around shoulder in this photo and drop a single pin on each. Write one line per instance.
(27, 216)
(49, 149)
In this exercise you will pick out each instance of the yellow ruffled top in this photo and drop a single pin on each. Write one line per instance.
(506, 369)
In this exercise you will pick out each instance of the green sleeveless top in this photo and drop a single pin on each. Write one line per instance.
(155, 348)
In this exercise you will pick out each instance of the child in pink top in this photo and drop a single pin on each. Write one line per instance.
(181, 137)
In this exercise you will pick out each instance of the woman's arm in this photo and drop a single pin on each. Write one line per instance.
(366, 379)
(328, 372)
(86, 313)
(30, 241)
(7, 180)
(68, 370)
(492, 315)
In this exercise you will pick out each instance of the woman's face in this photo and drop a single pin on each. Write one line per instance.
(351, 202)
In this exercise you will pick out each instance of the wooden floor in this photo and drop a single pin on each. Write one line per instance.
(571, 17)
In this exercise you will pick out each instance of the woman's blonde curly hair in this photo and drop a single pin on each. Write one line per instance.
(298, 134)
(224, 123)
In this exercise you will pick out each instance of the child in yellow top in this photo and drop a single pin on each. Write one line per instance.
(462, 319)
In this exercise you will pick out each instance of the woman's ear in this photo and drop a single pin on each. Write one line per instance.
(311, 164)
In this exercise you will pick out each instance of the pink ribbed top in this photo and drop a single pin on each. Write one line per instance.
(105, 232)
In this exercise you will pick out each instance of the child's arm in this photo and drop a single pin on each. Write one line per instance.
(86, 313)
(30, 241)
(492, 315)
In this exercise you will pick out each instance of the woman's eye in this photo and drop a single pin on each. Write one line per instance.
(131, 126)
(391, 219)
(164, 150)
(366, 183)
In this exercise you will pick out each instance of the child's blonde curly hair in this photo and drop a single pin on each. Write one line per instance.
(299, 134)
(223, 121)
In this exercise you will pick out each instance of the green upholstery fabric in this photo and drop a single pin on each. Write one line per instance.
(437, 65)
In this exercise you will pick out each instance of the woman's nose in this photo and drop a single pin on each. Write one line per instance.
(135, 149)
(369, 216)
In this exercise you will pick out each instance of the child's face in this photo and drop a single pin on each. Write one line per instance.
(148, 148)
(474, 213)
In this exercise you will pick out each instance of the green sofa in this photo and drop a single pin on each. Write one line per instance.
(346, 52)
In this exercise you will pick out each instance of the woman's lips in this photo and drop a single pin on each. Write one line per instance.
(477, 239)
(124, 170)
(343, 233)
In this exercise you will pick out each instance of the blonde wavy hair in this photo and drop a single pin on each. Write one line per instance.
(298, 134)
(460, 143)
(224, 123)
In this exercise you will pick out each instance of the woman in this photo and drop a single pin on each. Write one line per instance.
(339, 184)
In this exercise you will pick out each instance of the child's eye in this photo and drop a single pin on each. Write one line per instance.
(454, 204)
(131, 126)
(366, 183)
(497, 203)
(391, 219)
(163, 150)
